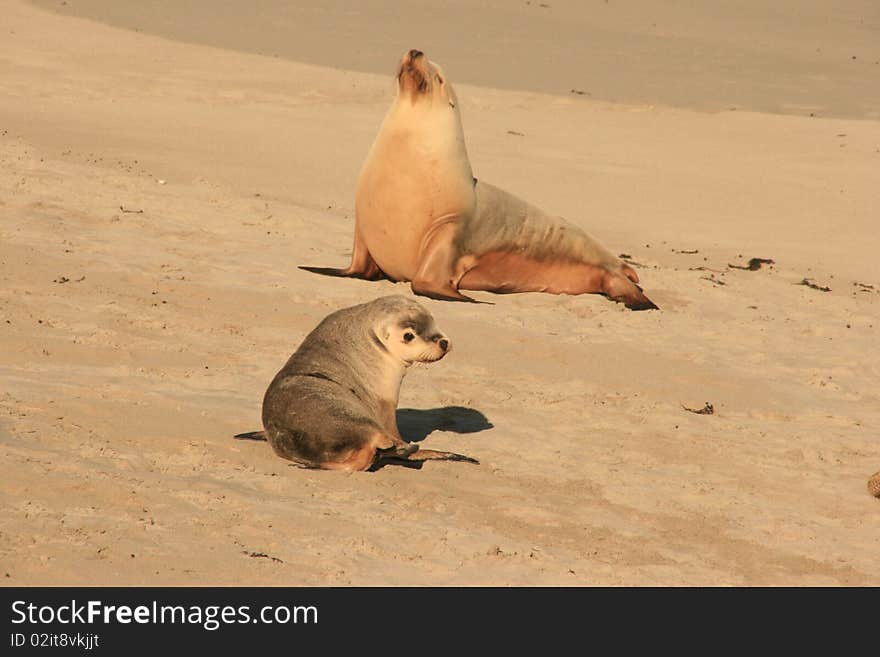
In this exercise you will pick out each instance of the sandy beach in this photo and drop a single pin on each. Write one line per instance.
(166, 170)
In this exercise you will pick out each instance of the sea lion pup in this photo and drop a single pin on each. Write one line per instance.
(333, 404)
(421, 216)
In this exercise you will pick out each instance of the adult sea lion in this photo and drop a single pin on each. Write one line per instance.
(332, 406)
(421, 216)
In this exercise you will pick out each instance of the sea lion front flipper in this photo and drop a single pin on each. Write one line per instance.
(434, 277)
(251, 435)
(416, 459)
(434, 455)
(362, 263)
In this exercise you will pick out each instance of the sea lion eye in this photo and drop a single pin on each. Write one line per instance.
(408, 337)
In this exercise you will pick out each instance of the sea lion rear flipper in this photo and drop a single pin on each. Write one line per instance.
(622, 289)
(440, 293)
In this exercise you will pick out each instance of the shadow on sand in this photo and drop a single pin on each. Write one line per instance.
(415, 424)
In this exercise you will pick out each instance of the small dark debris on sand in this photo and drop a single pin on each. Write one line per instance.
(708, 409)
(580, 93)
(864, 286)
(754, 264)
(712, 279)
(262, 555)
(61, 279)
(514, 132)
(815, 286)
(131, 211)
(627, 258)
(686, 251)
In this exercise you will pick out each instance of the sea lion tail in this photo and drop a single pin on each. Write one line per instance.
(251, 435)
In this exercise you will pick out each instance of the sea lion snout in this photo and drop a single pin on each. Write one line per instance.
(412, 59)
(414, 75)
(440, 346)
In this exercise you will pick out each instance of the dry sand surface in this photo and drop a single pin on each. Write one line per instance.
(159, 187)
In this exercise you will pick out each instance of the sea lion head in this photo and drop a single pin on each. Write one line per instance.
(406, 330)
(419, 79)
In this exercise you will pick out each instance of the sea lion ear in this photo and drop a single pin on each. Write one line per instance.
(385, 332)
